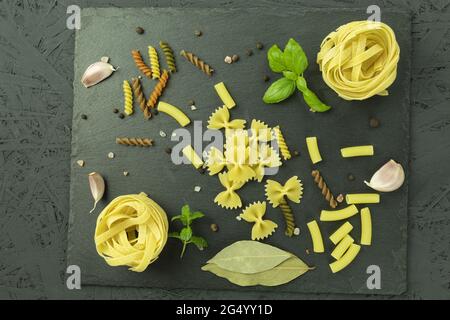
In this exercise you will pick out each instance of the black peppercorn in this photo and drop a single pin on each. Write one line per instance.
(191, 102)
(374, 122)
(214, 227)
(168, 150)
(249, 52)
(235, 58)
(84, 117)
(155, 112)
(140, 30)
(115, 110)
(202, 170)
(198, 33)
(296, 153)
(266, 78)
(259, 46)
(351, 177)
(121, 116)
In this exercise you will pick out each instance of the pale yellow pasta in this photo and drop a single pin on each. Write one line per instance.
(340, 233)
(346, 259)
(220, 119)
(362, 198)
(174, 112)
(292, 189)
(237, 156)
(358, 151)
(337, 215)
(313, 150)
(225, 95)
(342, 247)
(316, 237)
(254, 213)
(229, 199)
(366, 227)
(260, 132)
(216, 161)
(192, 156)
(267, 158)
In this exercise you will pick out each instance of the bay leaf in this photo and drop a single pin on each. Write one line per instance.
(249, 257)
(285, 272)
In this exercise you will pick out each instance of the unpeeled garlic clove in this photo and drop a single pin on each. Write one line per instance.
(97, 72)
(388, 178)
(97, 185)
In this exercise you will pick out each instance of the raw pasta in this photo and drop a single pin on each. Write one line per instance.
(225, 95)
(220, 119)
(170, 57)
(237, 155)
(282, 143)
(358, 151)
(337, 215)
(140, 64)
(313, 150)
(267, 158)
(326, 192)
(136, 142)
(131, 231)
(346, 259)
(174, 112)
(229, 199)
(342, 247)
(316, 237)
(340, 233)
(275, 192)
(260, 132)
(366, 227)
(289, 218)
(192, 156)
(128, 98)
(196, 61)
(140, 98)
(159, 89)
(154, 62)
(254, 213)
(362, 198)
(359, 59)
(216, 161)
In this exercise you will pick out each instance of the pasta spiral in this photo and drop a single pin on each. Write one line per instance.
(196, 61)
(170, 57)
(159, 89)
(326, 192)
(131, 231)
(282, 143)
(288, 217)
(128, 98)
(139, 94)
(140, 64)
(359, 59)
(136, 142)
(154, 62)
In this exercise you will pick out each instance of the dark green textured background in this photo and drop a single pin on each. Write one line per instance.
(36, 111)
(172, 186)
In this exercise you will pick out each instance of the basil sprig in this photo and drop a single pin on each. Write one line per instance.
(292, 63)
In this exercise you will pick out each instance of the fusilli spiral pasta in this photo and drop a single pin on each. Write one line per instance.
(140, 64)
(170, 57)
(286, 154)
(326, 192)
(288, 217)
(140, 98)
(159, 89)
(154, 62)
(128, 98)
(196, 61)
(135, 142)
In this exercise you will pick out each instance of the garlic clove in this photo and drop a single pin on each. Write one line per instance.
(389, 177)
(97, 185)
(96, 73)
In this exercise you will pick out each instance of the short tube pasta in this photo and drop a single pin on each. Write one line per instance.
(342, 247)
(340, 233)
(174, 112)
(225, 95)
(313, 150)
(362, 198)
(337, 215)
(316, 237)
(193, 157)
(358, 151)
(366, 227)
(346, 259)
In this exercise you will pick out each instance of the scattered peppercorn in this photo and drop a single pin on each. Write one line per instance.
(155, 112)
(249, 52)
(202, 170)
(121, 116)
(168, 150)
(214, 227)
(191, 103)
(296, 153)
(84, 117)
(140, 30)
(351, 177)
(266, 78)
(115, 110)
(235, 58)
(198, 33)
(259, 46)
(374, 122)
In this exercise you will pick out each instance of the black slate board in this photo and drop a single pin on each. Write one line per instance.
(110, 32)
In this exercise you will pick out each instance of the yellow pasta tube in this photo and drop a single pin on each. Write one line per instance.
(340, 233)
(366, 227)
(192, 156)
(337, 215)
(313, 149)
(340, 249)
(346, 259)
(174, 112)
(358, 198)
(358, 151)
(225, 95)
(316, 237)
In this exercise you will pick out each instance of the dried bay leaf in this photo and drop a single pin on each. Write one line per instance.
(249, 257)
(285, 272)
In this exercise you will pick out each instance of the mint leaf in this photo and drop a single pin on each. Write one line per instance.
(301, 84)
(196, 215)
(175, 235)
(185, 215)
(295, 58)
(199, 242)
(276, 60)
(290, 75)
(176, 218)
(279, 91)
(186, 234)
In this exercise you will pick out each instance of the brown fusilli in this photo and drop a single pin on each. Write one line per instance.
(142, 66)
(326, 192)
(140, 98)
(196, 61)
(135, 142)
(159, 89)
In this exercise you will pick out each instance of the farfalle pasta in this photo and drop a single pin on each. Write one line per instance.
(215, 161)
(267, 158)
(260, 132)
(229, 199)
(237, 155)
(220, 119)
(254, 213)
(275, 192)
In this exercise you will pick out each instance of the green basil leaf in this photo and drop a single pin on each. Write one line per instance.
(279, 91)
(301, 84)
(186, 234)
(294, 57)
(314, 102)
(276, 60)
(199, 242)
(290, 75)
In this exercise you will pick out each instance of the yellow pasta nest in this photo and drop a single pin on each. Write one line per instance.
(131, 231)
(359, 59)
